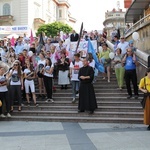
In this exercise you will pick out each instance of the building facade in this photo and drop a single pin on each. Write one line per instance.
(34, 13)
(114, 19)
(138, 14)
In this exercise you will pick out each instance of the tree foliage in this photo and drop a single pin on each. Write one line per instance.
(53, 28)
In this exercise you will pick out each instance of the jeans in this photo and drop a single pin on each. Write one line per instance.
(75, 88)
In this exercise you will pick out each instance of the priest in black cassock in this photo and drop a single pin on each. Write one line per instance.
(87, 99)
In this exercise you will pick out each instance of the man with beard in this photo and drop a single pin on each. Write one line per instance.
(87, 99)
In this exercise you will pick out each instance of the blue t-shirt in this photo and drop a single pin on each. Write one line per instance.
(129, 65)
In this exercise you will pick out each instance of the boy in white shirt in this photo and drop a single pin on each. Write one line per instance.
(74, 71)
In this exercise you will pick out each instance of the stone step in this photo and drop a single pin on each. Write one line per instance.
(100, 103)
(75, 114)
(76, 119)
(75, 107)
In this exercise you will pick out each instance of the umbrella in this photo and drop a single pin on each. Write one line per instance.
(13, 35)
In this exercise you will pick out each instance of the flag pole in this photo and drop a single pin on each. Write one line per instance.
(81, 29)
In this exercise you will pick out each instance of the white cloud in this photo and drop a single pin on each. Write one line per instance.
(92, 12)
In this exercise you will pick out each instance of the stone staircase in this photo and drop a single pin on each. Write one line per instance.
(113, 107)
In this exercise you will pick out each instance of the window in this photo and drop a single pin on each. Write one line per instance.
(49, 4)
(60, 13)
(6, 9)
(37, 13)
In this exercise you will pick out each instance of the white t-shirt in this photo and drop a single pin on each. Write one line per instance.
(75, 72)
(3, 88)
(48, 68)
(123, 47)
(53, 59)
(41, 64)
(15, 80)
(92, 64)
(27, 72)
(3, 56)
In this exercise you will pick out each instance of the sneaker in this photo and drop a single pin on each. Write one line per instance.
(77, 95)
(104, 78)
(73, 100)
(129, 97)
(52, 100)
(136, 96)
(108, 81)
(47, 100)
(8, 115)
(36, 105)
(3, 116)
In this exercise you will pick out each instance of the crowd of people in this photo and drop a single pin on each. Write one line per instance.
(52, 62)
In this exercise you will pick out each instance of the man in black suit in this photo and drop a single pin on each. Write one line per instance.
(74, 36)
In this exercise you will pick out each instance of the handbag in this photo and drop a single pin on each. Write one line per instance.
(1, 103)
(143, 101)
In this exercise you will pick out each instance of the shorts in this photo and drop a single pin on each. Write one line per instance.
(30, 84)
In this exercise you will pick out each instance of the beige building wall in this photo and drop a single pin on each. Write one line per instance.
(36, 12)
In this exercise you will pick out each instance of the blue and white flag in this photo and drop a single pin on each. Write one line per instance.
(98, 65)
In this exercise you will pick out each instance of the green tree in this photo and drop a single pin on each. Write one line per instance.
(53, 28)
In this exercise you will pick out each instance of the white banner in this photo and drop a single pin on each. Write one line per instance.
(83, 46)
(14, 29)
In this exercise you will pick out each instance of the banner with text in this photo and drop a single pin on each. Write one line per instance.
(14, 29)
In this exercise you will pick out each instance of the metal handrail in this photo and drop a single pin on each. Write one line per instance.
(142, 56)
(133, 28)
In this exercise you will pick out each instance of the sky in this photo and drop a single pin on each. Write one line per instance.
(92, 12)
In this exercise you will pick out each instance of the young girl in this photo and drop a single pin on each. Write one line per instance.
(48, 79)
(16, 84)
(4, 93)
(29, 75)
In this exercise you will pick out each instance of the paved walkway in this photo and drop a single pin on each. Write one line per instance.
(72, 136)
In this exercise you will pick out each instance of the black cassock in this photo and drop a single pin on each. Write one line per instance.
(87, 99)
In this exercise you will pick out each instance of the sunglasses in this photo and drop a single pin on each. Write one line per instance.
(15, 64)
(129, 51)
(122, 38)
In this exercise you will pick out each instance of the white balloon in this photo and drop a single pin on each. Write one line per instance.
(30, 53)
(111, 55)
(100, 49)
(135, 36)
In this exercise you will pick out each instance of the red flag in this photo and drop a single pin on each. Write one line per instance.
(31, 38)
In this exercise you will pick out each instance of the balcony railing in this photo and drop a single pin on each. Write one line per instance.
(141, 23)
(6, 18)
